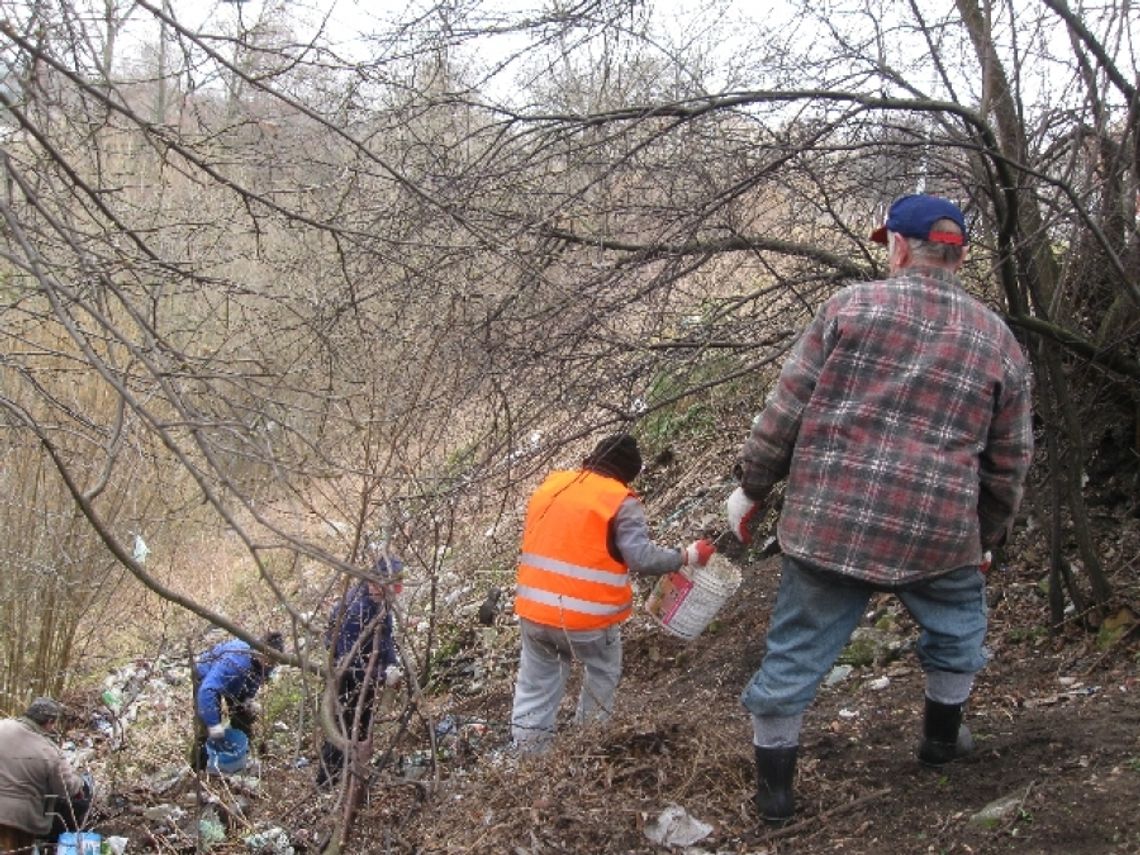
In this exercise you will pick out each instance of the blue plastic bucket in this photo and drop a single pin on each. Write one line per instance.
(79, 843)
(233, 758)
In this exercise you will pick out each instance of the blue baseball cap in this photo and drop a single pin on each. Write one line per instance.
(913, 216)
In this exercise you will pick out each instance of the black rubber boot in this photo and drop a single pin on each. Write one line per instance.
(775, 771)
(944, 737)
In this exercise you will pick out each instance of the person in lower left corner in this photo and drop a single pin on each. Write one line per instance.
(227, 678)
(585, 531)
(41, 796)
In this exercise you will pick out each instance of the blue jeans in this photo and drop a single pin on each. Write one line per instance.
(817, 610)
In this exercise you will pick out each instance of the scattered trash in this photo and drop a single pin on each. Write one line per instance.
(675, 827)
(113, 700)
(164, 813)
(415, 766)
(879, 683)
(454, 735)
(445, 726)
(117, 845)
(210, 832)
(79, 843)
(167, 778)
(838, 674)
(140, 550)
(272, 841)
(1050, 700)
(995, 812)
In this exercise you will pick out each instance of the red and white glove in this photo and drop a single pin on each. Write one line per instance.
(987, 562)
(742, 513)
(393, 676)
(697, 553)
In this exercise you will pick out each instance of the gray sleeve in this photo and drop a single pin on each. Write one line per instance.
(631, 536)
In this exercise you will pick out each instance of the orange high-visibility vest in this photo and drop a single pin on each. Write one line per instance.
(567, 578)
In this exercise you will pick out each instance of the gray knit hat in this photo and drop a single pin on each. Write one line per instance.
(43, 710)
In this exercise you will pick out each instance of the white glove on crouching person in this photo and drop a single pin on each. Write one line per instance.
(742, 515)
(216, 732)
(393, 676)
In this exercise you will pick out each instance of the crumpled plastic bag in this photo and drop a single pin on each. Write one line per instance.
(675, 827)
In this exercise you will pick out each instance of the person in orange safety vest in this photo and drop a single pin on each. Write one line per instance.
(585, 532)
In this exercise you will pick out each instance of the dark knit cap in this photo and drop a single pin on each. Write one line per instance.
(43, 710)
(388, 569)
(616, 456)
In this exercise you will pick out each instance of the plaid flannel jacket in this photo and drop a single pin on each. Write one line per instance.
(902, 422)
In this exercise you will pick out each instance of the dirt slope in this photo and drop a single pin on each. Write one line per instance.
(1056, 717)
(1056, 722)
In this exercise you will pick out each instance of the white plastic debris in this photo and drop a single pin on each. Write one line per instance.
(675, 827)
(879, 683)
(141, 550)
(272, 841)
(838, 674)
(210, 831)
(997, 811)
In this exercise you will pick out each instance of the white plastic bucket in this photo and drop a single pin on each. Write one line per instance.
(79, 843)
(685, 604)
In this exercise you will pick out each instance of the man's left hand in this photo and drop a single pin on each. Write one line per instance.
(742, 513)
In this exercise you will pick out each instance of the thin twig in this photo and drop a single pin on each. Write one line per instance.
(796, 828)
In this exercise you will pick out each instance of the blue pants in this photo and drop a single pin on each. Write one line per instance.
(816, 612)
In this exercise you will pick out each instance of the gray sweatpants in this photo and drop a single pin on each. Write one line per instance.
(544, 666)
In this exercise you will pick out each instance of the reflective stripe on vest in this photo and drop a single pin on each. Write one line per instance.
(564, 601)
(575, 571)
(567, 577)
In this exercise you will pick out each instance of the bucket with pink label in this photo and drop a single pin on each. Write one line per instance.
(685, 602)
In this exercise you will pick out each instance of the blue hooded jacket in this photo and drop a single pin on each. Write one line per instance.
(227, 671)
(359, 612)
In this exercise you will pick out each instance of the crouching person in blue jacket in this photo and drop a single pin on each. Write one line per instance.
(226, 680)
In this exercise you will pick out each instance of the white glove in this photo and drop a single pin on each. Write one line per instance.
(742, 513)
(393, 676)
(697, 553)
(217, 731)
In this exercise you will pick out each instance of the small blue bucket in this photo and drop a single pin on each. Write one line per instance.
(79, 843)
(233, 759)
